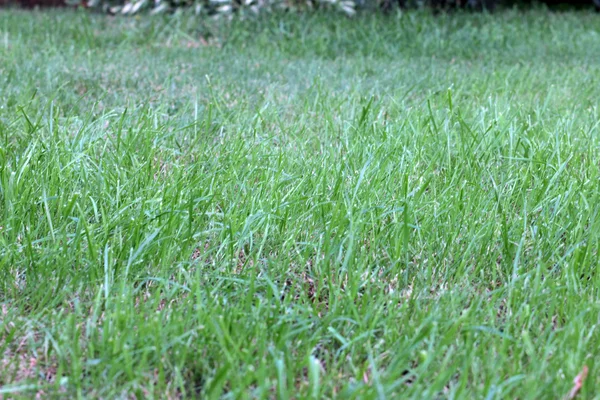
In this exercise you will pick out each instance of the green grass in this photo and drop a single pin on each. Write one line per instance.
(299, 206)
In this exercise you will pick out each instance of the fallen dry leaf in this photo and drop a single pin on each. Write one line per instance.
(578, 383)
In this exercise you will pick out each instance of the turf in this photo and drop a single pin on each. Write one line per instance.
(299, 206)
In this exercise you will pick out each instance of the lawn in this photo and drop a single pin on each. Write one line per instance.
(299, 206)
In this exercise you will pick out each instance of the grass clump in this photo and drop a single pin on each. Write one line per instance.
(300, 208)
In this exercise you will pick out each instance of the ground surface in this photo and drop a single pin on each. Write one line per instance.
(301, 207)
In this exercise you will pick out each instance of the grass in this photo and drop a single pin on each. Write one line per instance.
(299, 206)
